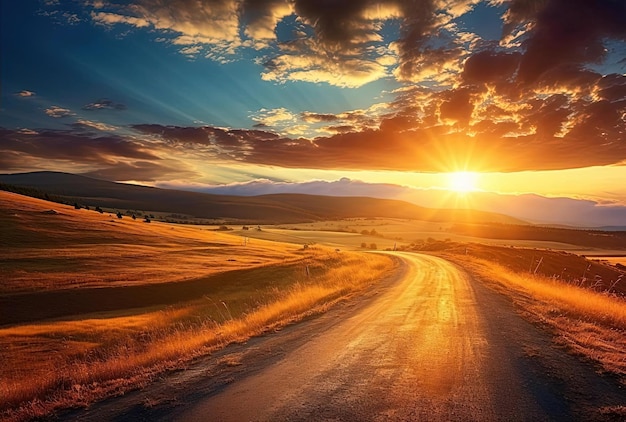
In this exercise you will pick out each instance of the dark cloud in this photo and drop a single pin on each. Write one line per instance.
(612, 88)
(340, 129)
(142, 171)
(458, 106)
(73, 147)
(490, 66)
(13, 161)
(104, 104)
(418, 24)
(565, 32)
(547, 116)
(338, 25)
(318, 117)
(109, 157)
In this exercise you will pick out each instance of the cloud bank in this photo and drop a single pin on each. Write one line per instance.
(547, 93)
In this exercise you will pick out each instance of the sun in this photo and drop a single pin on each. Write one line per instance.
(463, 181)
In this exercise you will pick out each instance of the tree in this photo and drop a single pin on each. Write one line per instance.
(364, 245)
(119, 215)
(373, 246)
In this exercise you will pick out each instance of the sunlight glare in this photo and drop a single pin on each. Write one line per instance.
(463, 181)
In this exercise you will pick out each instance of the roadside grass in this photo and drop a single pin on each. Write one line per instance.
(53, 365)
(591, 323)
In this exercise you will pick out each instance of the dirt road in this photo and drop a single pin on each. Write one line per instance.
(432, 345)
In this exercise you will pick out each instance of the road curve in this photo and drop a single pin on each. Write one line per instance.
(419, 352)
(433, 345)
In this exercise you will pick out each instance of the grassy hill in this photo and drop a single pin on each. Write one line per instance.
(97, 305)
(263, 209)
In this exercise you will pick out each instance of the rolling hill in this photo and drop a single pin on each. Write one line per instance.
(263, 209)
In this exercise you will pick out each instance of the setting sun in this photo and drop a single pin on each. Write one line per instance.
(463, 181)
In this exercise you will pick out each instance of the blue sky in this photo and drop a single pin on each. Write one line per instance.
(70, 61)
(192, 93)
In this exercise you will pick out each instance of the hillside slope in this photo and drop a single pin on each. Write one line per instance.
(265, 209)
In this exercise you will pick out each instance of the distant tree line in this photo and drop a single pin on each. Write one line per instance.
(32, 192)
(582, 237)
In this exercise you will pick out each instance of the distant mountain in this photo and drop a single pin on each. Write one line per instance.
(262, 209)
(534, 208)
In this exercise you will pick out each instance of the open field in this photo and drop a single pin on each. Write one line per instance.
(348, 233)
(99, 305)
(48, 246)
(613, 260)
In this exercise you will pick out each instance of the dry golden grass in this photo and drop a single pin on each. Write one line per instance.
(57, 364)
(591, 323)
(80, 248)
(52, 364)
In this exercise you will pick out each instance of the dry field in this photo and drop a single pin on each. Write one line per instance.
(613, 260)
(78, 248)
(136, 299)
(347, 233)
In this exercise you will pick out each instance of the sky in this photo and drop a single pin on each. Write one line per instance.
(530, 95)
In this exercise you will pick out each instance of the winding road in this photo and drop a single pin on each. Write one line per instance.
(432, 344)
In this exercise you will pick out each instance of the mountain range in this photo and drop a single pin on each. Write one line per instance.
(533, 208)
(261, 209)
